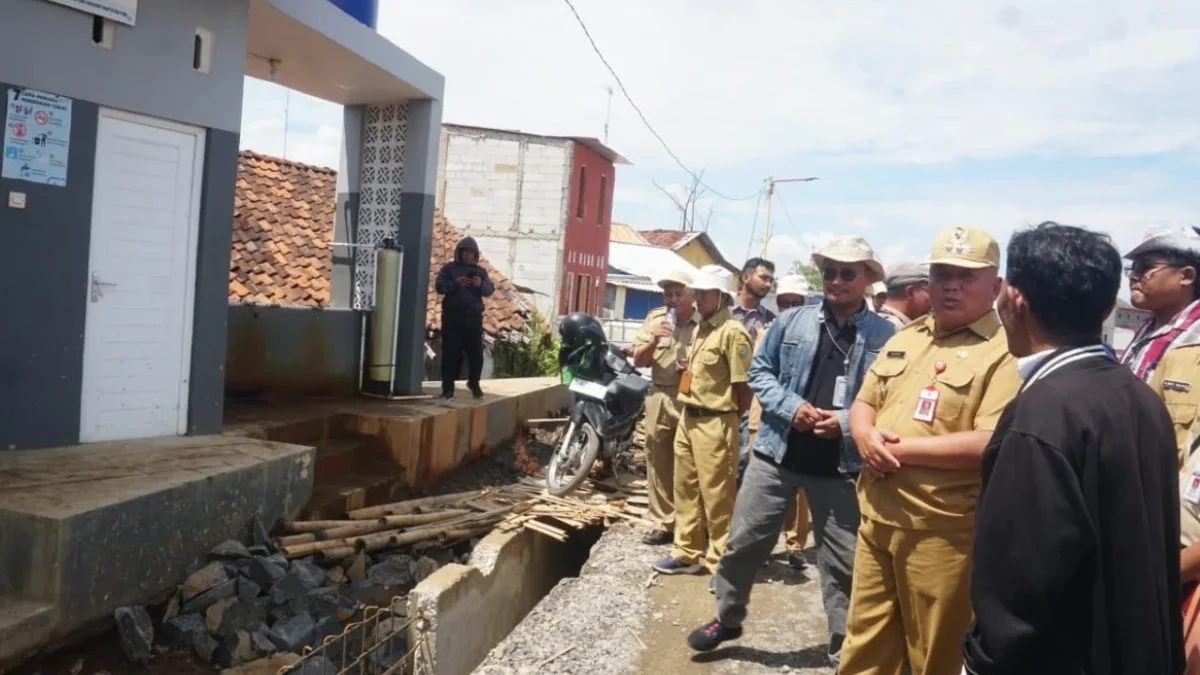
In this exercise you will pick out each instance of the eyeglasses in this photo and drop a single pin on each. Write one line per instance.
(788, 304)
(847, 274)
(1142, 269)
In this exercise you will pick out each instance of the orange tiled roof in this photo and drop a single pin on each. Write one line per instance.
(501, 310)
(282, 229)
(664, 238)
(283, 217)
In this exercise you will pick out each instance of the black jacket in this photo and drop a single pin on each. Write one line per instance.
(1076, 560)
(463, 303)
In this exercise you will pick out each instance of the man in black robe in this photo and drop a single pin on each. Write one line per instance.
(1076, 558)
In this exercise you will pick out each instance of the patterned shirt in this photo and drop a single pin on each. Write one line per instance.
(753, 320)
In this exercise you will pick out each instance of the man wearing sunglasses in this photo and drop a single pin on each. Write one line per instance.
(1165, 351)
(924, 414)
(805, 374)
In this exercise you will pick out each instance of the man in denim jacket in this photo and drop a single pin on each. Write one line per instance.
(805, 375)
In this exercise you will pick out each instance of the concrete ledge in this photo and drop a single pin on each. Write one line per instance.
(89, 528)
(471, 608)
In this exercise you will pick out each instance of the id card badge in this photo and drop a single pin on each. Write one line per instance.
(1192, 493)
(685, 382)
(839, 392)
(926, 405)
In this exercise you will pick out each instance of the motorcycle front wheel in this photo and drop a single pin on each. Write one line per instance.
(573, 459)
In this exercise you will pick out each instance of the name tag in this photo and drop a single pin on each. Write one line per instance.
(1192, 493)
(839, 392)
(1175, 385)
(895, 355)
(926, 405)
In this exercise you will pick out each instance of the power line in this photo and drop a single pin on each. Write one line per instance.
(640, 114)
(753, 225)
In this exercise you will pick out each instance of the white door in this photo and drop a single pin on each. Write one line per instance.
(141, 278)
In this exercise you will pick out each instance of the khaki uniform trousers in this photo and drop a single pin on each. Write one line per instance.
(662, 418)
(706, 457)
(910, 600)
(796, 522)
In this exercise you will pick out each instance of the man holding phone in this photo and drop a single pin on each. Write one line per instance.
(463, 285)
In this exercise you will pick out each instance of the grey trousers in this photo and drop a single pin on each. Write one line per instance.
(758, 515)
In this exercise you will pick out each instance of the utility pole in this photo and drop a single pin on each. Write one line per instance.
(287, 107)
(771, 181)
(608, 112)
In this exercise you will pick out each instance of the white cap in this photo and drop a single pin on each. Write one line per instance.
(792, 284)
(878, 288)
(675, 276)
(848, 249)
(714, 278)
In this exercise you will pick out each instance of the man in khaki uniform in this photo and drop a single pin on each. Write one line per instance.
(714, 393)
(907, 294)
(921, 420)
(662, 345)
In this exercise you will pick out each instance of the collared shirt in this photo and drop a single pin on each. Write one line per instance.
(1176, 380)
(1027, 364)
(718, 358)
(979, 380)
(753, 320)
(668, 350)
(894, 316)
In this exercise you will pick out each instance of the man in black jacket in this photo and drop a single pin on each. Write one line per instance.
(1076, 558)
(463, 284)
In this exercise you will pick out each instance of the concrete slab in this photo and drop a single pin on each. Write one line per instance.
(89, 528)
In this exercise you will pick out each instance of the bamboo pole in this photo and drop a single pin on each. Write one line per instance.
(300, 526)
(412, 505)
(301, 550)
(332, 554)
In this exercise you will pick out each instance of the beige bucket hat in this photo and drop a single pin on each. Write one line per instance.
(675, 277)
(848, 249)
(792, 284)
(714, 278)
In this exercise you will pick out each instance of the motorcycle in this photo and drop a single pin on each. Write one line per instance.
(609, 397)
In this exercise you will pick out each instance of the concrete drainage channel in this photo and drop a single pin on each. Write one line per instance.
(469, 609)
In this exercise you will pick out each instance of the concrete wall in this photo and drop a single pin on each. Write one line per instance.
(149, 68)
(509, 191)
(471, 608)
(589, 223)
(279, 352)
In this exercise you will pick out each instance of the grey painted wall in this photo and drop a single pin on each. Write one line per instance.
(43, 271)
(345, 226)
(149, 69)
(206, 391)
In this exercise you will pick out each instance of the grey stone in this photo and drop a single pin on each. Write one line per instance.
(265, 573)
(357, 571)
(248, 589)
(262, 537)
(136, 631)
(391, 634)
(318, 603)
(240, 615)
(200, 603)
(425, 567)
(294, 634)
(279, 559)
(279, 613)
(310, 575)
(327, 626)
(172, 609)
(203, 579)
(205, 646)
(214, 616)
(235, 649)
(268, 666)
(398, 571)
(230, 549)
(317, 665)
(260, 639)
(259, 551)
(288, 587)
(336, 576)
(179, 631)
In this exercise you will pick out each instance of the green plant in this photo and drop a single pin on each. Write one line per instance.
(535, 355)
(810, 272)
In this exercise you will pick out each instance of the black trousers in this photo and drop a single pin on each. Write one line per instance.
(459, 339)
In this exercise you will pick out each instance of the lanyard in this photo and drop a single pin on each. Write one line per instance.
(833, 339)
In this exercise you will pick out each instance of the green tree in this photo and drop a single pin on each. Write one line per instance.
(536, 355)
(810, 272)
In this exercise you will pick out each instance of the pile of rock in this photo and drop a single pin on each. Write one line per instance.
(251, 602)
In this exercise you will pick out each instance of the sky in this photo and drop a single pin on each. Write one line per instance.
(914, 116)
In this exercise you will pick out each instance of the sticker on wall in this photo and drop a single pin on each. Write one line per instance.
(37, 137)
(123, 11)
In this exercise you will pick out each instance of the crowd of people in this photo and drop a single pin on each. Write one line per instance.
(992, 489)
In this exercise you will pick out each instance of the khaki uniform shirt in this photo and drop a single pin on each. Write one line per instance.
(979, 381)
(663, 371)
(755, 407)
(718, 359)
(1177, 383)
(1189, 512)
(894, 316)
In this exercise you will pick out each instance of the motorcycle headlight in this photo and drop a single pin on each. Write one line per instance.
(616, 362)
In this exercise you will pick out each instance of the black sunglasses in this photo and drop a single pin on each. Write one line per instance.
(1141, 267)
(846, 273)
(788, 304)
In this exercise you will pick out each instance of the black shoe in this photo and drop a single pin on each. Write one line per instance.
(658, 538)
(710, 636)
(476, 392)
(796, 561)
(447, 395)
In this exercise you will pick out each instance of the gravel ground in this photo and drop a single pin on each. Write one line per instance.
(586, 624)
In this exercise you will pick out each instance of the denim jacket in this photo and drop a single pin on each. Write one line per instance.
(782, 365)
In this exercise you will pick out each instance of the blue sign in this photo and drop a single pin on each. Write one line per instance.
(37, 137)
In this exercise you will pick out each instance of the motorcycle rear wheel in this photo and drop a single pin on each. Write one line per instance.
(559, 484)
